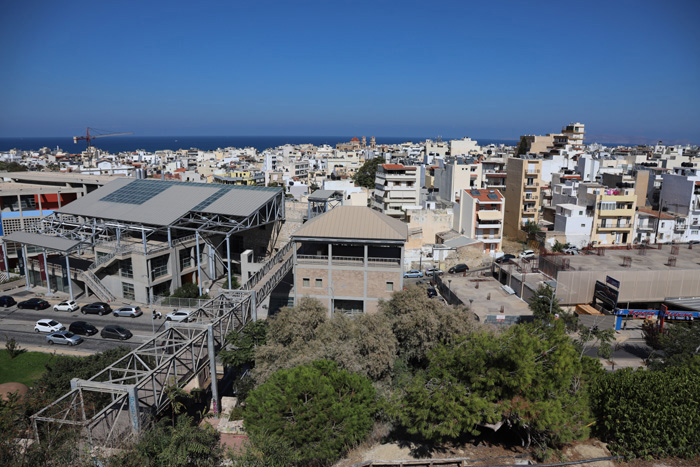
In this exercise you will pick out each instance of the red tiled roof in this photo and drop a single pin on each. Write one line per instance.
(497, 175)
(653, 213)
(395, 167)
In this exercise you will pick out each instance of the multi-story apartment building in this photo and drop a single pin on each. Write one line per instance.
(479, 215)
(614, 215)
(680, 195)
(396, 187)
(460, 174)
(654, 226)
(575, 222)
(349, 258)
(574, 133)
(523, 182)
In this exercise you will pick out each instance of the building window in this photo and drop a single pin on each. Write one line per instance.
(186, 259)
(126, 269)
(306, 282)
(389, 286)
(583, 225)
(319, 283)
(128, 291)
(159, 267)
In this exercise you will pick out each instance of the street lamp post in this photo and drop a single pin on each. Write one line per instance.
(449, 288)
(551, 302)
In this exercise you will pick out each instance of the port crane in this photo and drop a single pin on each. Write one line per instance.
(97, 134)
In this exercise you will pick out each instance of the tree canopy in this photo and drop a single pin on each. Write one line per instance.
(527, 379)
(318, 410)
(367, 173)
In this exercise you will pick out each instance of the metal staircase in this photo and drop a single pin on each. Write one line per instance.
(96, 285)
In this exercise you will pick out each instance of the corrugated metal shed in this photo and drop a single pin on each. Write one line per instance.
(354, 223)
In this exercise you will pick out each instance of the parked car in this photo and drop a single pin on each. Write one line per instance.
(82, 327)
(7, 301)
(461, 267)
(64, 337)
(48, 325)
(114, 331)
(181, 316)
(413, 273)
(97, 308)
(34, 303)
(526, 254)
(68, 305)
(572, 250)
(504, 259)
(128, 311)
(432, 292)
(433, 272)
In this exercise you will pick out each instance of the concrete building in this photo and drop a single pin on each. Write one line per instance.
(614, 215)
(479, 215)
(680, 195)
(349, 258)
(463, 147)
(396, 187)
(573, 221)
(522, 195)
(461, 174)
(654, 226)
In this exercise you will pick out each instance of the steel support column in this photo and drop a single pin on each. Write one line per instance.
(212, 369)
(46, 273)
(228, 260)
(7, 264)
(26, 269)
(170, 239)
(199, 265)
(143, 237)
(70, 283)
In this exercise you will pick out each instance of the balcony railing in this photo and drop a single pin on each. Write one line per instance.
(614, 225)
(348, 260)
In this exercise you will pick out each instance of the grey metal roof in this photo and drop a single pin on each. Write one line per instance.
(157, 202)
(43, 241)
(354, 223)
(460, 241)
(692, 303)
(322, 195)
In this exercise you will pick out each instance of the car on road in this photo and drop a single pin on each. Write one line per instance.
(504, 259)
(413, 273)
(461, 267)
(63, 337)
(35, 303)
(82, 327)
(526, 254)
(180, 316)
(114, 331)
(68, 305)
(97, 308)
(6, 301)
(432, 292)
(433, 272)
(128, 311)
(571, 250)
(48, 325)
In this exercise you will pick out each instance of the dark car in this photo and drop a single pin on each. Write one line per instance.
(97, 308)
(114, 331)
(432, 292)
(7, 301)
(458, 268)
(83, 328)
(34, 303)
(504, 259)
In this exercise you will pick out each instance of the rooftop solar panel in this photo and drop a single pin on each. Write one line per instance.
(218, 194)
(492, 196)
(475, 192)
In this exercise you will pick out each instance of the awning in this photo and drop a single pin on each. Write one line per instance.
(490, 215)
(44, 241)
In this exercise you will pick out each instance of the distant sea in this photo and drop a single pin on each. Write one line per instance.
(115, 144)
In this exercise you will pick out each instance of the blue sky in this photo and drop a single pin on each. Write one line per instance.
(496, 69)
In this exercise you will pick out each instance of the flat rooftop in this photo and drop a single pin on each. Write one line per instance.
(652, 259)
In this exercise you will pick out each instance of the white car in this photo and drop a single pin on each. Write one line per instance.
(181, 316)
(68, 305)
(48, 325)
(527, 254)
(572, 250)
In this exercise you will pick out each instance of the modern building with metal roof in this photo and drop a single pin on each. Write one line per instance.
(146, 238)
(349, 258)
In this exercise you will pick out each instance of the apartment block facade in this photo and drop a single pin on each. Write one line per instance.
(396, 187)
(479, 215)
(523, 182)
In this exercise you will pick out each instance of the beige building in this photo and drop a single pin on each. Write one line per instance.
(479, 215)
(614, 217)
(396, 187)
(461, 174)
(349, 258)
(523, 182)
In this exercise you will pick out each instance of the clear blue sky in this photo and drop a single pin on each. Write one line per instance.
(490, 69)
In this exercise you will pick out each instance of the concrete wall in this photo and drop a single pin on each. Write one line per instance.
(576, 287)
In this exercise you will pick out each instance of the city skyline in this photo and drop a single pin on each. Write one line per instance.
(628, 70)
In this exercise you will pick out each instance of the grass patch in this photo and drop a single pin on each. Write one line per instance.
(25, 368)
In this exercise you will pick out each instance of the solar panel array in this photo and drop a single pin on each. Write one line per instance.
(218, 194)
(493, 196)
(475, 192)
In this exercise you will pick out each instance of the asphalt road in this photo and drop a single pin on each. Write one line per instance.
(19, 324)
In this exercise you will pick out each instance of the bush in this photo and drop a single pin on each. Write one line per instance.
(13, 348)
(318, 411)
(644, 413)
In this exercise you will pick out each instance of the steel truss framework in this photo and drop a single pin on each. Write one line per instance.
(137, 384)
(89, 230)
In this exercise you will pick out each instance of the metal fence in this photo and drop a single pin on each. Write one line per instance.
(179, 303)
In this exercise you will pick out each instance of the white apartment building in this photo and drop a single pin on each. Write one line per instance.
(574, 222)
(680, 195)
(396, 187)
(654, 227)
(454, 177)
(479, 215)
(463, 147)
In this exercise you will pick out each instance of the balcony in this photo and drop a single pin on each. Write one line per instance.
(348, 261)
(614, 225)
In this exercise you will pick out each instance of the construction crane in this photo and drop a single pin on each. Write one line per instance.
(96, 134)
